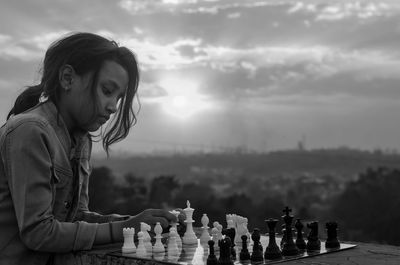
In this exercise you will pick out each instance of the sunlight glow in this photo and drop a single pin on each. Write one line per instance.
(182, 100)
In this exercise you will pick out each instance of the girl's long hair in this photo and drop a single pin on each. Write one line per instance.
(86, 53)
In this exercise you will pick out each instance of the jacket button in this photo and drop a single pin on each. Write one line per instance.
(67, 204)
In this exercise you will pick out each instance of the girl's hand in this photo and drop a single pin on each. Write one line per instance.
(151, 217)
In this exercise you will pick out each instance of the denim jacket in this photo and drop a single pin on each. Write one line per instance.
(44, 188)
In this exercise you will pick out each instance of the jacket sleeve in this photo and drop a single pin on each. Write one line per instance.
(29, 173)
(83, 213)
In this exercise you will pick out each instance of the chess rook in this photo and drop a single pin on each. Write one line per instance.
(189, 238)
(332, 240)
(129, 245)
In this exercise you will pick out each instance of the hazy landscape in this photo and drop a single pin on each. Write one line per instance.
(345, 185)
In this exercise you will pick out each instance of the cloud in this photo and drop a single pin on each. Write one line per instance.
(264, 57)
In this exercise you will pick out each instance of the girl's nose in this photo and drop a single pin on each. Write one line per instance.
(112, 107)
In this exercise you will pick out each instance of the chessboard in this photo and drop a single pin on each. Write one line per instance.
(231, 245)
(198, 254)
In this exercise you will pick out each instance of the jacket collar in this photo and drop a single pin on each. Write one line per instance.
(72, 144)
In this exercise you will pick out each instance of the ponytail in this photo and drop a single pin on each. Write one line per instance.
(26, 100)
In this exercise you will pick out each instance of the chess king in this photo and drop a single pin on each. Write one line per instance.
(189, 238)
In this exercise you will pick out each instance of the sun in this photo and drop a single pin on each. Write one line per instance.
(183, 99)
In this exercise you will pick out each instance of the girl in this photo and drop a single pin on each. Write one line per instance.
(45, 148)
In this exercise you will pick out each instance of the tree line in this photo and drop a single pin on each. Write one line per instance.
(366, 208)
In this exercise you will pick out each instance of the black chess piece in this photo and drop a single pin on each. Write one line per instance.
(289, 248)
(225, 257)
(300, 242)
(272, 251)
(332, 240)
(211, 259)
(256, 255)
(244, 252)
(313, 243)
(230, 232)
(283, 231)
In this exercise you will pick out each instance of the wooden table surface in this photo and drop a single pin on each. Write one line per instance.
(362, 254)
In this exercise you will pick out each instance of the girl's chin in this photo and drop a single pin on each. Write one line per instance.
(94, 127)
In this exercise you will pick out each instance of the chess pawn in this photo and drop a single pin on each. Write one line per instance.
(332, 241)
(244, 252)
(211, 259)
(177, 239)
(272, 251)
(175, 224)
(129, 245)
(205, 235)
(214, 234)
(300, 242)
(189, 237)
(173, 250)
(313, 243)
(158, 245)
(159, 255)
(220, 228)
(141, 249)
(256, 255)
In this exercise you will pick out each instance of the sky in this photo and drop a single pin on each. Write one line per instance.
(223, 75)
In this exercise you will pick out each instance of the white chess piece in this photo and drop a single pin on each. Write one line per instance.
(246, 230)
(230, 224)
(219, 227)
(175, 226)
(189, 238)
(177, 239)
(240, 230)
(158, 245)
(172, 248)
(129, 245)
(205, 235)
(145, 228)
(141, 249)
(214, 234)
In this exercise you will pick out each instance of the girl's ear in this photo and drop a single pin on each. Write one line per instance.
(66, 77)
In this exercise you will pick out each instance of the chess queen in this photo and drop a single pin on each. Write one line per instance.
(87, 81)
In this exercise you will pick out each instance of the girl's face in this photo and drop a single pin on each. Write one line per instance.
(77, 106)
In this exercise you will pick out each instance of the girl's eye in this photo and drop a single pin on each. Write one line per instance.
(107, 91)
